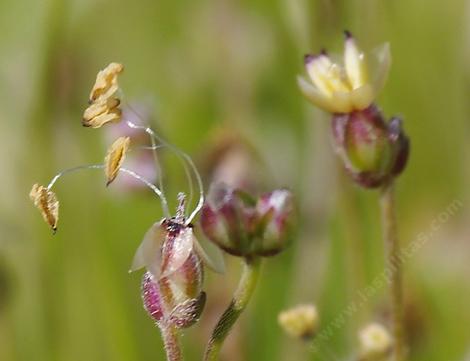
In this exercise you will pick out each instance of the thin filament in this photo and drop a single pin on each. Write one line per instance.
(187, 171)
(155, 155)
(72, 170)
(155, 137)
(129, 172)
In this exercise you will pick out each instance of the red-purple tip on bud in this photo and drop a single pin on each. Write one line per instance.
(308, 58)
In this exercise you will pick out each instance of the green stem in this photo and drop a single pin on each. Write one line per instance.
(171, 343)
(241, 297)
(392, 245)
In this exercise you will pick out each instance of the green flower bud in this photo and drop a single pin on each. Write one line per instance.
(243, 226)
(373, 150)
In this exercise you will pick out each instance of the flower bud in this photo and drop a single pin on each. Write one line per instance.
(373, 150)
(243, 226)
(301, 321)
(174, 298)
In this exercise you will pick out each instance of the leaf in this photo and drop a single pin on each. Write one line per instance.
(46, 201)
(115, 158)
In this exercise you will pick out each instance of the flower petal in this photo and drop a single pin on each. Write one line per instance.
(342, 102)
(115, 158)
(317, 67)
(326, 75)
(149, 252)
(210, 254)
(317, 97)
(362, 97)
(355, 63)
(176, 253)
(46, 201)
(380, 66)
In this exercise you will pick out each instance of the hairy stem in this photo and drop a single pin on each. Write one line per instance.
(171, 343)
(392, 246)
(241, 297)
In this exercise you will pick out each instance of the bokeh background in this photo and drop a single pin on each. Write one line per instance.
(217, 79)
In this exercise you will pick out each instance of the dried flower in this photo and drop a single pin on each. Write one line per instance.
(243, 226)
(345, 88)
(301, 321)
(375, 342)
(115, 157)
(373, 150)
(46, 201)
(104, 106)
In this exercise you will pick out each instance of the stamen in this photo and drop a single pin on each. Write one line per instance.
(72, 170)
(124, 170)
(187, 171)
(132, 125)
(156, 138)
(181, 208)
(155, 189)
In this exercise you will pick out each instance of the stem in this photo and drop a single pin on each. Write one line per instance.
(241, 297)
(392, 246)
(171, 343)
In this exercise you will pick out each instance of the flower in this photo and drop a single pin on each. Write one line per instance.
(172, 286)
(352, 86)
(301, 321)
(104, 106)
(141, 162)
(243, 226)
(46, 201)
(115, 157)
(375, 342)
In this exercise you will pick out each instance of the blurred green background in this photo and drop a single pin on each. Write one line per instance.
(216, 72)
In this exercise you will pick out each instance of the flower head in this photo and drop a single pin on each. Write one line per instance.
(375, 342)
(301, 321)
(243, 226)
(343, 88)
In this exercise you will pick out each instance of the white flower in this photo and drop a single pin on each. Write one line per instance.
(344, 88)
(375, 341)
(301, 321)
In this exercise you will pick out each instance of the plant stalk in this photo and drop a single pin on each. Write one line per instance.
(392, 246)
(241, 297)
(171, 342)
